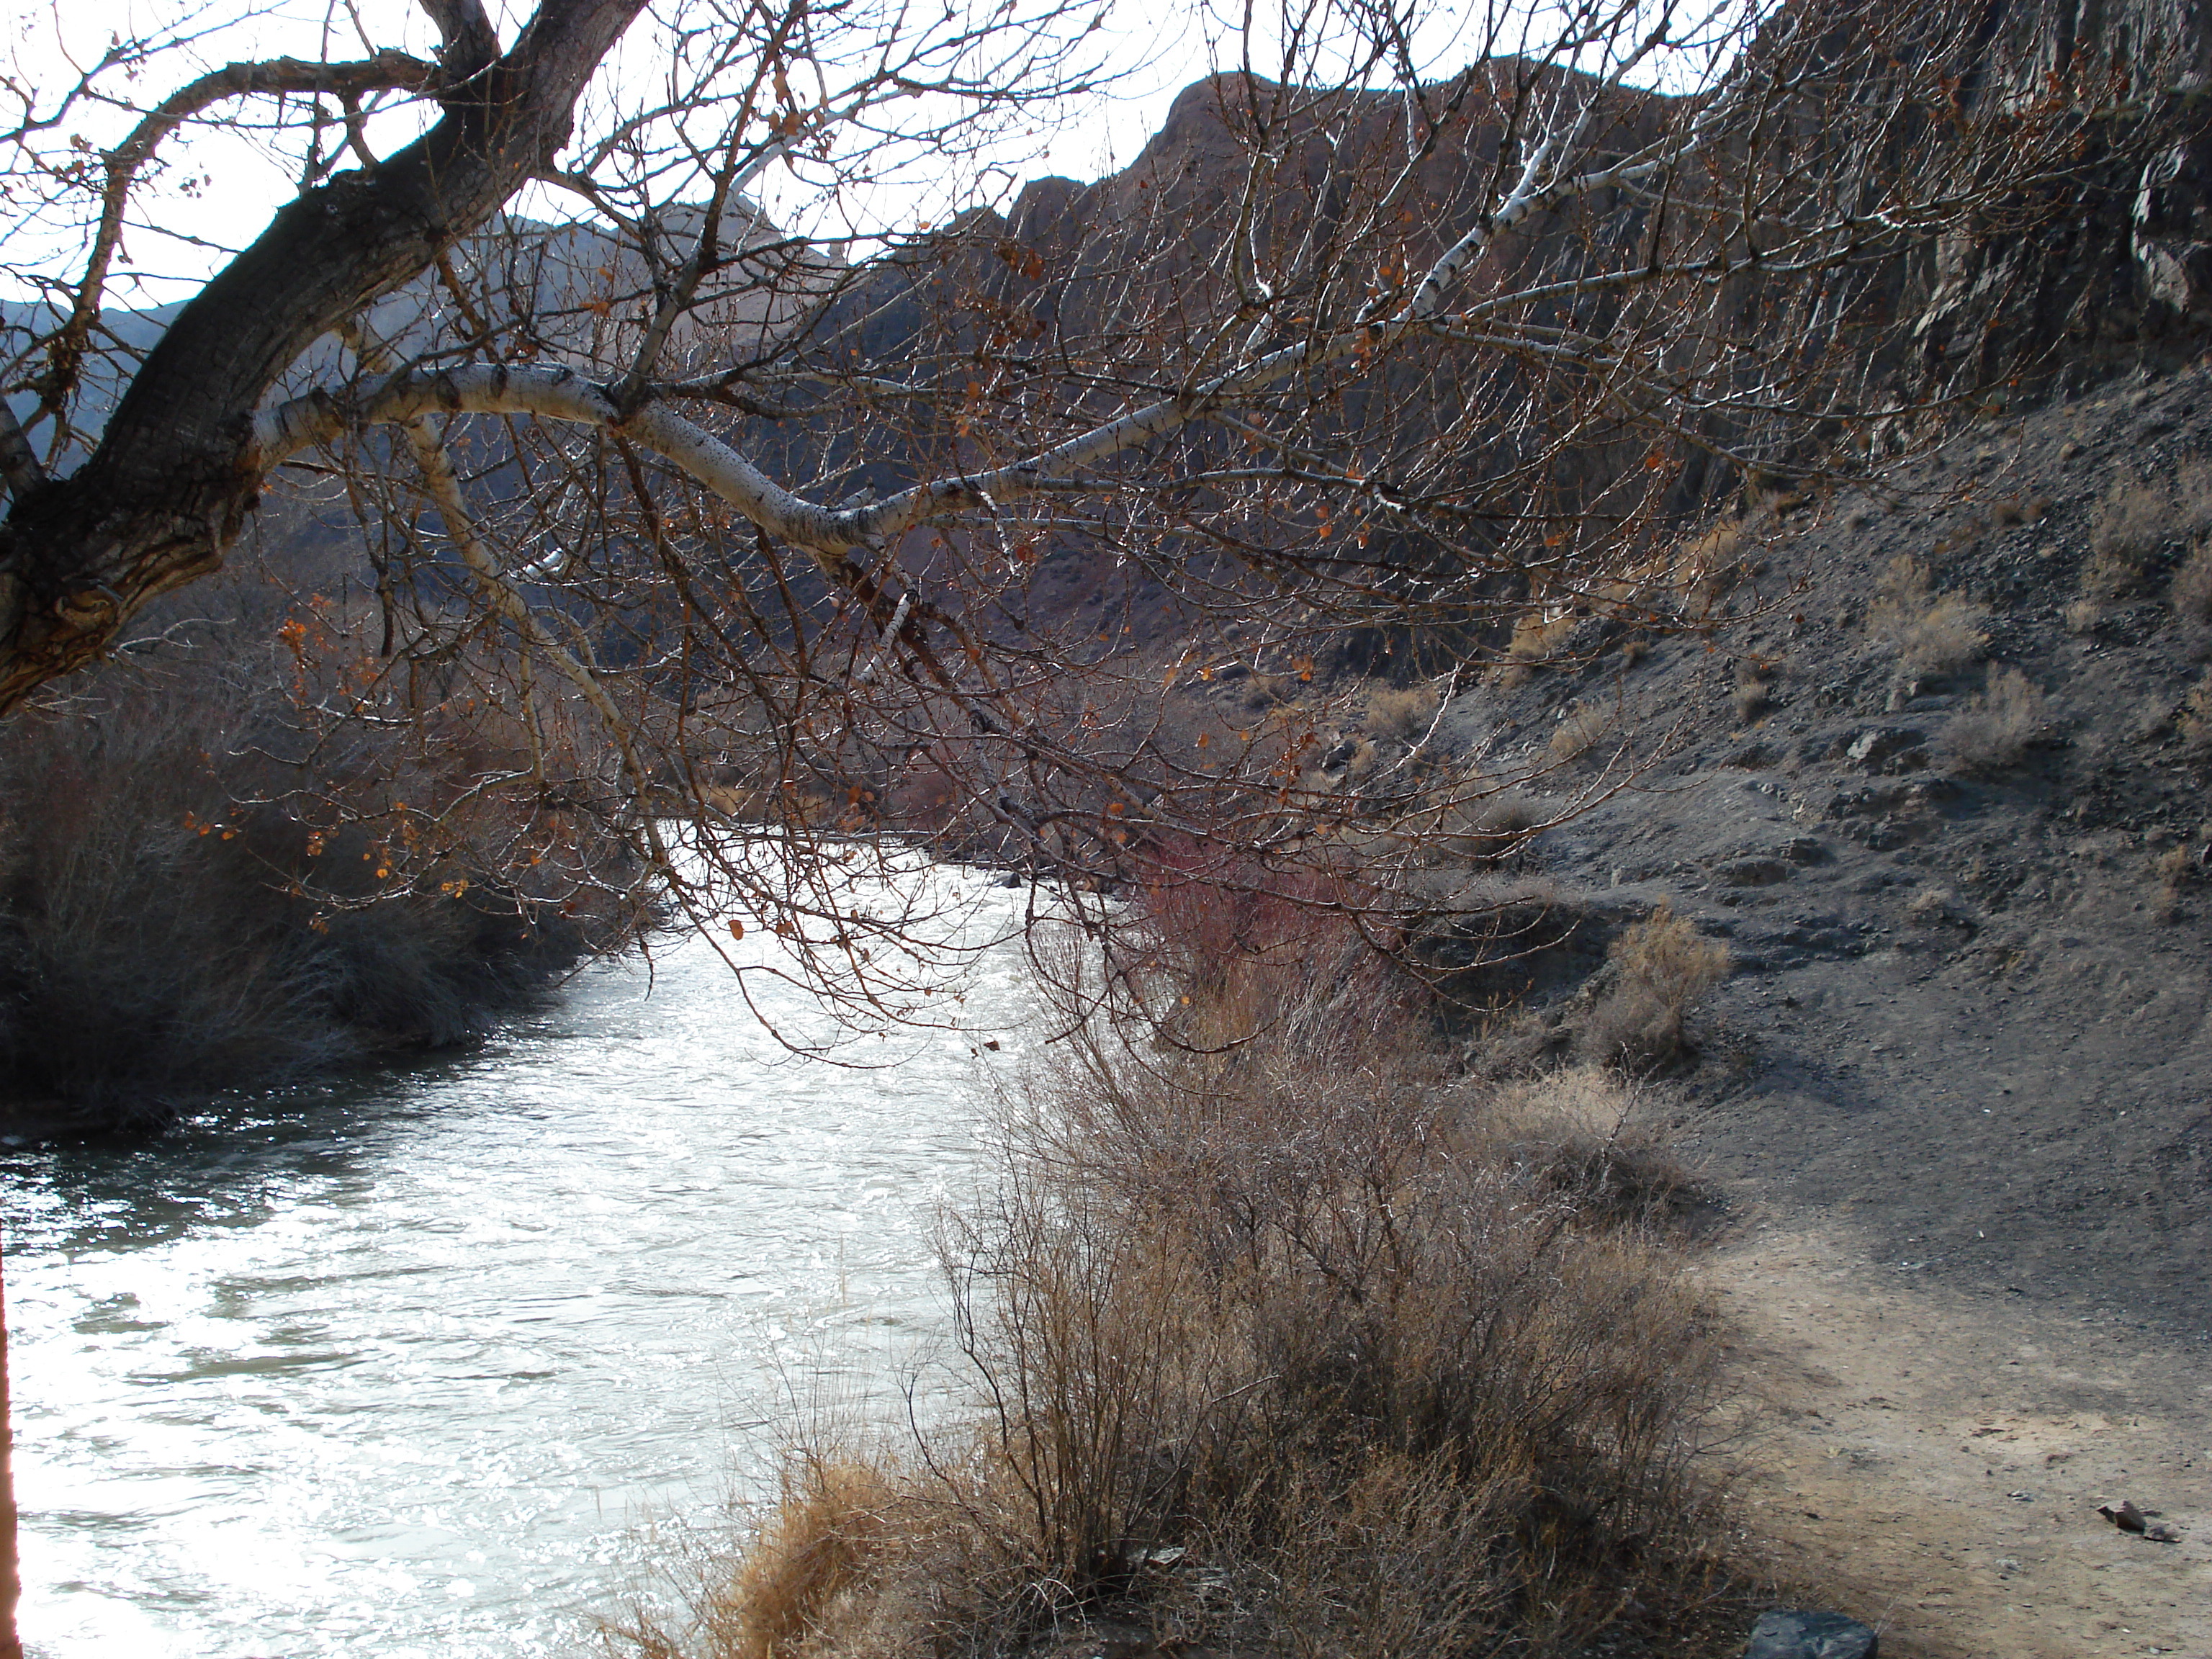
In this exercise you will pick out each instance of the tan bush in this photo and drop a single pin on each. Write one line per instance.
(1585, 1130)
(2175, 871)
(1537, 638)
(2129, 526)
(1284, 1343)
(2135, 522)
(1402, 712)
(1992, 732)
(1933, 634)
(1754, 685)
(1929, 907)
(2195, 717)
(1581, 729)
(1662, 968)
(2082, 616)
(2191, 595)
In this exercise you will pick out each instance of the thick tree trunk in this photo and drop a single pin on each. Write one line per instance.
(165, 493)
(11, 1575)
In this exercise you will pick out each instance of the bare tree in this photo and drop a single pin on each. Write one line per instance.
(963, 535)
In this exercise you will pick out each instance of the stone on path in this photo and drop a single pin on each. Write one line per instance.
(1803, 1635)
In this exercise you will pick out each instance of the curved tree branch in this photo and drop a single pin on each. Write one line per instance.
(168, 487)
(385, 71)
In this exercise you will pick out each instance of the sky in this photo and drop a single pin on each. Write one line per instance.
(218, 186)
(218, 183)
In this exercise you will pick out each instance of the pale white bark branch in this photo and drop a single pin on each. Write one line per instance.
(830, 534)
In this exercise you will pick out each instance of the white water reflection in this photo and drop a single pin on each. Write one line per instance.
(398, 1370)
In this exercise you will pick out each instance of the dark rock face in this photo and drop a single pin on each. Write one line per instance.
(1798, 1635)
(1754, 873)
(2121, 267)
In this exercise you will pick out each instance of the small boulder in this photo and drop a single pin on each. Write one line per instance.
(1753, 873)
(1886, 748)
(1807, 1635)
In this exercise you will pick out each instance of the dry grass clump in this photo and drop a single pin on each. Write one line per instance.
(2136, 521)
(1661, 968)
(1931, 907)
(2082, 616)
(1581, 729)
(1754, 689)
(2191, 595)
(2175, 871)
(840, 1521)
(1583, 1130)
(1537, 638)
(1933, 634)
(1402, 712)
(1992, 732)
(1282, 1342)
(2195, 718)
(2127, 530)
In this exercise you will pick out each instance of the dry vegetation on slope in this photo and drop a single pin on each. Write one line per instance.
(1285, 1339)
(1947, 1118)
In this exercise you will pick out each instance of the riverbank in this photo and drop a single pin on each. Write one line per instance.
(1282, 1332)
(433, 1359)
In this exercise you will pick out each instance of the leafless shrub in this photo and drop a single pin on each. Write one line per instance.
(1992, 732)
(2082, 616)
(1754, 687)
(2191, 595)
(176, 916)
(1581, 729)
(1284, 1342)
(2195, 718)
(2136, 520)
(1929, 907)
(2175, 871)
(1402, 712)
(1933, 634)
(1662, 968)
(1585, 1129)
(1537, 637)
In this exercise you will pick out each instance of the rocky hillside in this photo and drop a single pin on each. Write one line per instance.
(1940, 788)
(1944, 797)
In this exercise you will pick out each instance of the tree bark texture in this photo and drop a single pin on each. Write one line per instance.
(11, 1574)
(173, 476)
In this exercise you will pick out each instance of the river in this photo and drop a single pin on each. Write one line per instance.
(412, 1367)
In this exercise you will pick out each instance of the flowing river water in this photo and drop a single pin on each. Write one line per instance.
(413, 1366)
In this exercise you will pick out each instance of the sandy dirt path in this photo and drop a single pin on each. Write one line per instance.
(1938, 1457)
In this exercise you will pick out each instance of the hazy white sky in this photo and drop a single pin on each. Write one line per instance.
(219, 185)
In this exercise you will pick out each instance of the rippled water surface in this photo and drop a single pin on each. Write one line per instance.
(403, 1369)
